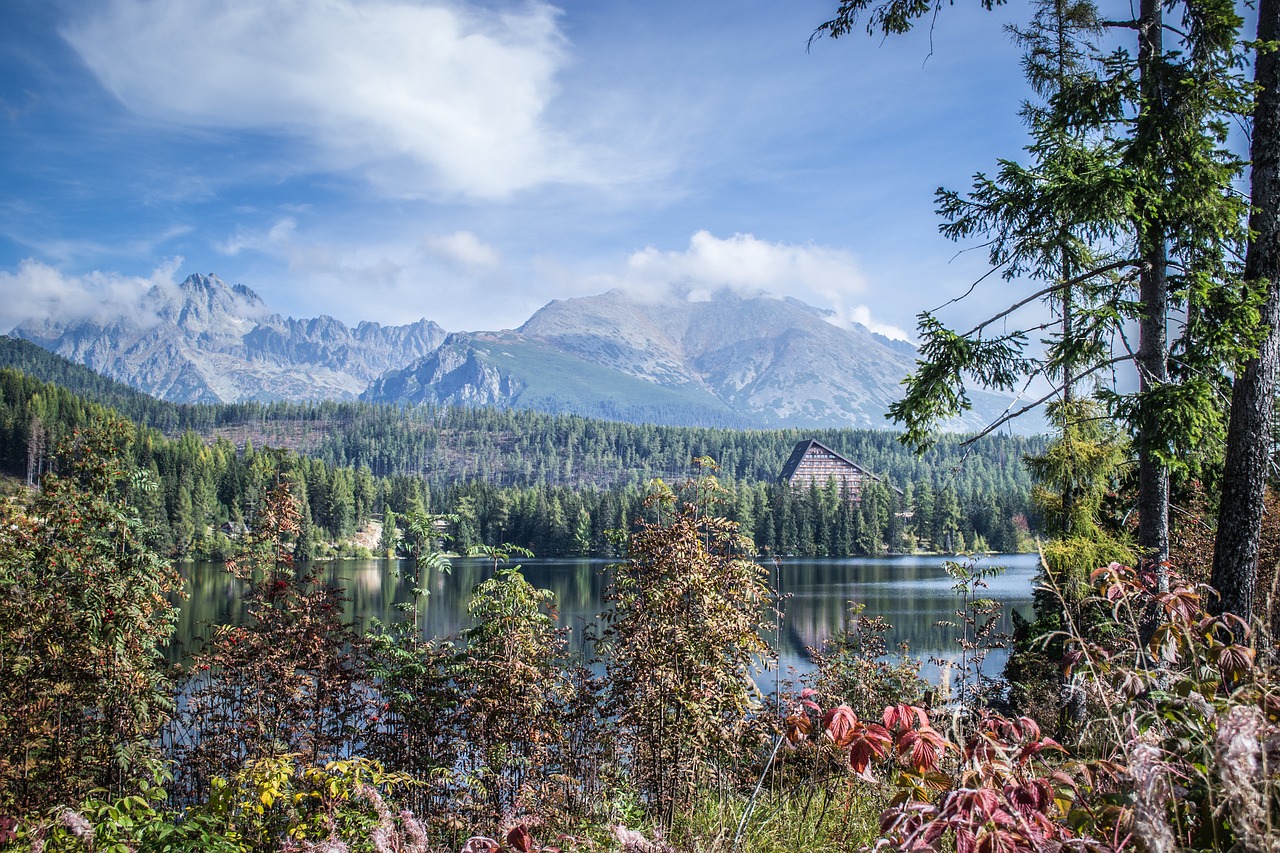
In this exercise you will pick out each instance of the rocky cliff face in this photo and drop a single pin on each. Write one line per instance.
(203, 341)
(454, 374)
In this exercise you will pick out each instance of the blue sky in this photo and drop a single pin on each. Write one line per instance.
(393, 159)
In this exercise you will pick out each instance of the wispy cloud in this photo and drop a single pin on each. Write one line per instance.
(423, 98)
(821, 276)
(464, 250)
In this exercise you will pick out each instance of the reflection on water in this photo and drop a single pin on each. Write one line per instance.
(912, 593)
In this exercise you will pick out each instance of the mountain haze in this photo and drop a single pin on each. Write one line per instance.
(749, 362)
(733, 360)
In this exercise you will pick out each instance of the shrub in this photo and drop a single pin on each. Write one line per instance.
(855, 668)
(291, 680)
(681, 642)
(86, 615)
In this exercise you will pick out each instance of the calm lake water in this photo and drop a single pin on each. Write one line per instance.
(912, 593)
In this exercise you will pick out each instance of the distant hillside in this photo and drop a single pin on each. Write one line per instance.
(731, 361)
(554, 483)
(445, 445)
(37, 362)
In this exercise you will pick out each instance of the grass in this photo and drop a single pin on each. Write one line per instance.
(826, 817)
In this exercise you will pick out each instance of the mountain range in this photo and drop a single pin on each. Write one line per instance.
(731, 360)
(203, 341)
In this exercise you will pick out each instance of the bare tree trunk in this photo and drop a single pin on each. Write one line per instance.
(1235, 554)
(1153, 344)
(35, 452)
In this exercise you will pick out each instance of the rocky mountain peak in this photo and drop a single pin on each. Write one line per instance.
(202, 340)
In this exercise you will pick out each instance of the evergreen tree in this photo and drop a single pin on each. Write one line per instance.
(1249, 435)
(1130, 198)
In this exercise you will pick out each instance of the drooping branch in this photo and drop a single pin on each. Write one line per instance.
(1053, 288)
(1008, 416)
(976, 282)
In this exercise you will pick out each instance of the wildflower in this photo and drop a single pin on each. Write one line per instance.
(635, 842)
(480, 844)
(1152, 794)
(1240, 764)
(78, 826)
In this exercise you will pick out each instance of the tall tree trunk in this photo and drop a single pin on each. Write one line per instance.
(1235, 554)
(1069, 485)
(1153, 291)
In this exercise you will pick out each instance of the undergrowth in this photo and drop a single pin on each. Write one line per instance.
(290, 733)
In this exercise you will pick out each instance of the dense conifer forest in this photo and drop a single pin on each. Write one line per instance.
(555, 484)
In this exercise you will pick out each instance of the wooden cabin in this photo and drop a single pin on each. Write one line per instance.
(813, 463)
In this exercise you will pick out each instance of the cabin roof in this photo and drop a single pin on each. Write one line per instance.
(803, 447)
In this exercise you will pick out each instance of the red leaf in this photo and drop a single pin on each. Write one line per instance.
(520, 839)
(1069, 661)
(867, 743)
(984, 746)
(838, 722)
(922, 748)
(1235, 660)
(900, 718)
(1029, 797)
(1030, 728)
(1036, 747)
(979, 804)
(797, 728)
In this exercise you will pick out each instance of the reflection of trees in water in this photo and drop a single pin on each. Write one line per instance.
(912, 593)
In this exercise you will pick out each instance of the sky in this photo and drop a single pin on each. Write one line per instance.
(468, 162)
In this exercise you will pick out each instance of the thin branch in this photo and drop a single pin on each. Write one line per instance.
(1031, 378)
(1008, 416)
(1123, 25)
(1203, 375)
(964, 295)
(1071, 282)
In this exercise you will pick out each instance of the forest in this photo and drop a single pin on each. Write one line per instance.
(555, 485)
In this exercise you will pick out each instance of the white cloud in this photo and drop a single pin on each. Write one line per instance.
(464, 250)
(269, 241)
(351, 282)
(822, 276)
(37, 291)
(423, 97)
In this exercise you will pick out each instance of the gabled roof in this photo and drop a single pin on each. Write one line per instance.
(803, 447)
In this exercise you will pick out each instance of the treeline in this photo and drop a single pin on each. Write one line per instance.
(207, 486)
(515, 447)
(813, 522)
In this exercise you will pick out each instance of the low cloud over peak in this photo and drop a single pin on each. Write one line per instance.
(749, 266)
(38, 293)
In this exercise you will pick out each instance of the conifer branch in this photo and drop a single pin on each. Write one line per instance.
(1071, 282)
(1008, 416)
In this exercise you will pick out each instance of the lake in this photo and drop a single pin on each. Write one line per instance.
(912, 593)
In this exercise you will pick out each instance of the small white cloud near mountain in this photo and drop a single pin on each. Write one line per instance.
(37, 292)
(749, 266)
